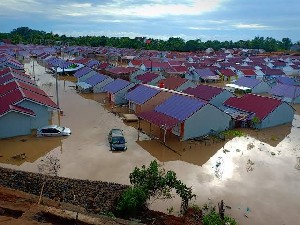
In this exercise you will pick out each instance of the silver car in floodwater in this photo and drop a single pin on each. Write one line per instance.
(53, 131)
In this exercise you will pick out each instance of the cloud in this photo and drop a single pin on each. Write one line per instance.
(252, 26)
(128, 8)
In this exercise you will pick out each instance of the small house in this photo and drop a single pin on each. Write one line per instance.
(146, 97)
(255, 85)
(177, 83)
(187, 117)
(287, 93)
(84, 73)
(116, 91)
(259, 111)
(214, 95)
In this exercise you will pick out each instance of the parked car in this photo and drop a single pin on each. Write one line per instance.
(116, 140)
(53, 130)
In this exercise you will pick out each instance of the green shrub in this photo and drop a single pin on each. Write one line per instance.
(131, 201)
(214, 218)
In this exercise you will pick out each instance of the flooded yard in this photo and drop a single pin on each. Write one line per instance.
(257, 175)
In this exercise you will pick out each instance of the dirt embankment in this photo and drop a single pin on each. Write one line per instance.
(69, 201)
(93, 196)
(19, 208)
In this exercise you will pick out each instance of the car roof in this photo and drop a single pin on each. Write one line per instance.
(49, 126)
(116, 132)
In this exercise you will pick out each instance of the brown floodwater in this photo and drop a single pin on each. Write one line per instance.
(257, 175)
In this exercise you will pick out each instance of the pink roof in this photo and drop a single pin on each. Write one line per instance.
(173, 82)
(260, 105)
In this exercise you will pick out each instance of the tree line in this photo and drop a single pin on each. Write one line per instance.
(26, 35)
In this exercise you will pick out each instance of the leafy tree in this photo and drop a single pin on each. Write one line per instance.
(156, 183)
(29, 36)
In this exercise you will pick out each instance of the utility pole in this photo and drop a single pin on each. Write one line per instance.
(33, 73)
(57, 98)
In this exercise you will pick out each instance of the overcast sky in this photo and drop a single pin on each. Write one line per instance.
(190, 19)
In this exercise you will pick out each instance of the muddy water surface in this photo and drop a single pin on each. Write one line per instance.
(256, 175)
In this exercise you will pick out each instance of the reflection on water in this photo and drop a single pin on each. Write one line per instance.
(257, 171)
(271, 136)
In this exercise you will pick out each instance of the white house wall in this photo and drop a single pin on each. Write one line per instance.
(87, 76)
(205, 119)
(262, 87)
(120, 95)
(43, 113)
(98, 88)
(281, 115)
(186, 85)
(221, 98)
(15, 124)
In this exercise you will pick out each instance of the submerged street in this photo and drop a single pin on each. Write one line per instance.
(257, 175)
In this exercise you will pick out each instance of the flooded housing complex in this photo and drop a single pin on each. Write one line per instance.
(186, 110)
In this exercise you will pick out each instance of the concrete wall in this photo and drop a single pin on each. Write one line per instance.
(281, 115)
(207, 118)
(15, 124)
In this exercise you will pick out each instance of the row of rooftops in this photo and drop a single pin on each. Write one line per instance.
(15, 87)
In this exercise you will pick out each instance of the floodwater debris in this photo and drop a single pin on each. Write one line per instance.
(249, 166)
(250, 146)
(225, 150)
(298, 163)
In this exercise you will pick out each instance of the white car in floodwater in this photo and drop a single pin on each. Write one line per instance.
(53, 130)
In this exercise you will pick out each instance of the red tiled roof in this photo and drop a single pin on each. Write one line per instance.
(103, 65)
(121, 70)
(18, 95)
(227, 72)
(147, 77)
(22, 110)
(260, 105)
(4, 71)
(173, 82)
(247, 72)
(13, 76)
(180, 69)
(44, 100)
(204, 92)
(17, 84)
(159, 119)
